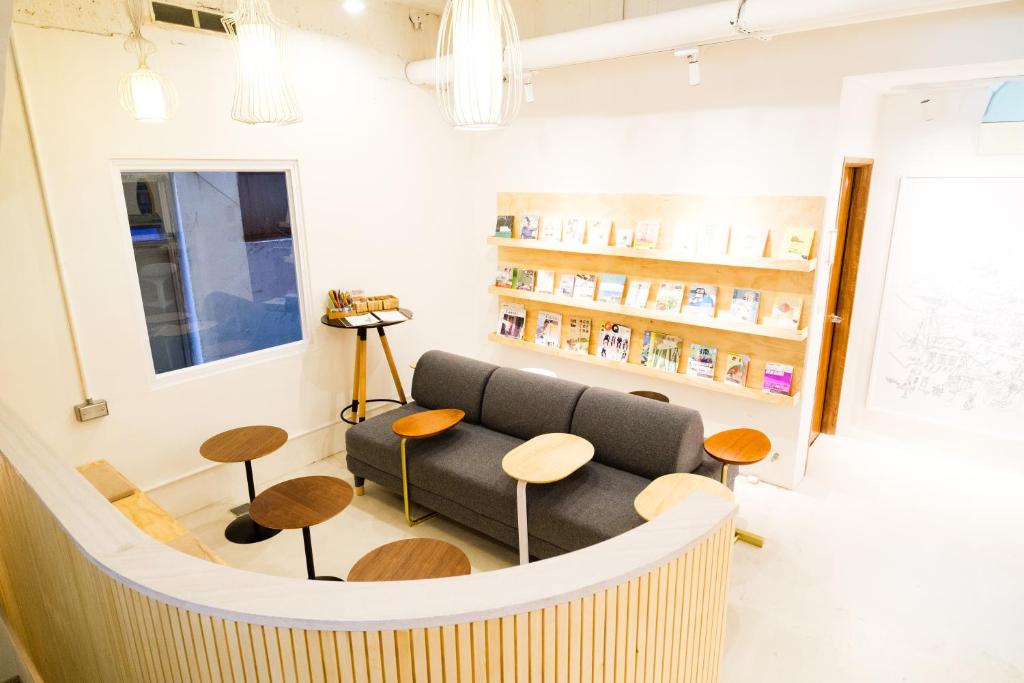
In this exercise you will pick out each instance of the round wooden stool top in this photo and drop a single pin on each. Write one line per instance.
(671, 489)
(302, 502)
(409, 560)
(547, 458)
(244, 443)
(653, 395)
(427, 424)
(738, 446)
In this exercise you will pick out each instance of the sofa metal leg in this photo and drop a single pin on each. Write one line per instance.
(750, 537)
(405, 493)
(359, 485)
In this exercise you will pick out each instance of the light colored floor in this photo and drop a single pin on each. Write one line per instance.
(883, 565)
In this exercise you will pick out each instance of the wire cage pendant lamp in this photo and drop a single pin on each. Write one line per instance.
(479, 64)
(263, 90)
(144, 93)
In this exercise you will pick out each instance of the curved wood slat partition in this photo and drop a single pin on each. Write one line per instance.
(95, 600)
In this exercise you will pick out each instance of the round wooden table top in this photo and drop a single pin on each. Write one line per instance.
(738, 446)
(427, 424)
(666, 491)
(301, 502)
(409, 560)
(547, 458)
(244, 443)
(653, 395)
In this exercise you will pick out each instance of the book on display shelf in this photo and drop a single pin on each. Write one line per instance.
(525, 279)
(566, 284)
(684, 239)
(637, 294)
(506, 277)
(670, 297)
(551, 229)
(584, 286)
(610, 288)
(613, 342)
(623, 236)
(745, 305)
(701, 301)
(577, 339)
(512, 323)
(575, 230)
(549, 329)
(660, 351)
(701, 362)
(599, 232)
(797, 243)
(785, 312)
(748, 241)
(645, 235)
(778, 378)
(736, 365)
(713, 240)
(529, 226)
(545, 282)
(504, 227)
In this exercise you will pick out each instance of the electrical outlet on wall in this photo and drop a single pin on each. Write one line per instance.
(92, 409)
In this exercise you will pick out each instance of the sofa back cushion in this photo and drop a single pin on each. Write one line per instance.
(444, 380)
(525, 405)
(638, 435)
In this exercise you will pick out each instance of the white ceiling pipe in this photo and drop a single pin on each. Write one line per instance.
(700, 25)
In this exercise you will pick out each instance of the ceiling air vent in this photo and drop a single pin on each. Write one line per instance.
(189, 18)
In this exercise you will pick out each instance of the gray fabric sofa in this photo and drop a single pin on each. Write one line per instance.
(459, 473)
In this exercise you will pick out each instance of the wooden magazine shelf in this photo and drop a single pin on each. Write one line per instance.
(651, 314)
(633, 368)
(791, 265)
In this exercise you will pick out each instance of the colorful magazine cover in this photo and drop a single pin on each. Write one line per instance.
(599, 232)
(577, 339)
(778, 378)
(613, 342)
(566, 284)
(670, 297)
(549, 329)
(797, 242)
(506, 277)
(504, 226)
(575, 230)
(701, 300)
(546, 281)
(639, 291)
(525, 279)
(529, 227)
(701, 362)
(551, 229)
(584, 286)
(736, 365)
(645, 236)
(513, 321)
(611, 288)
(785, 312)
(661, 351)
(745, 305)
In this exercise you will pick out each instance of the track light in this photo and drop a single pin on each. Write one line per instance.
(354, 6)
(927, 109)
(692, 56)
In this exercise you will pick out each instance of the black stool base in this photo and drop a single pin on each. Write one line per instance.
(327, 578)
(245, 531)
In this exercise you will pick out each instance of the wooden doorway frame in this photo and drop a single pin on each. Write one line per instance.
(853, 204)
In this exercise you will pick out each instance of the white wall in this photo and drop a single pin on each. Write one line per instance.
(910, 146)
(377, 194)
(766, 120)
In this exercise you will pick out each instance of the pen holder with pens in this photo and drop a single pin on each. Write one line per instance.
(346, 304)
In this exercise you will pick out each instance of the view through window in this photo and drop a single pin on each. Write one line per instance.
(216, 263)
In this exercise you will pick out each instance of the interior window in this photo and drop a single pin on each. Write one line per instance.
(216, 263)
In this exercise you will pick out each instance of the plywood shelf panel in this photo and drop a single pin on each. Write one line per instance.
(652, 314)
(790, 265)
(633, 368)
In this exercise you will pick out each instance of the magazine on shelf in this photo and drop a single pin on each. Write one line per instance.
(584, 286)
(713, 240)
(504, 226)
(684, 239)
(610, 288)
(623, 236)
(549, 329)
(575, 230)
(778, 378)
(745, 305)
(670, 297)
(566, 283)
(506, 277)
(639, 291)
(701, 300)
(701, 362)
(513, 321)
(525, 279)
(736, 365)
(661, 351)
(529, 226)
(393, 316)
(785, 311)
(577, 339)
(599, 232)
(748, 241)
(797, 242)
(551, 229)
(545, 282)
(645, 236)
(613, 342)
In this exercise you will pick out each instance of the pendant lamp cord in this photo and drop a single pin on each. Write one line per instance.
(136, 44)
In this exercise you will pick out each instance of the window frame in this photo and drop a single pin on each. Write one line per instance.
(290, 167)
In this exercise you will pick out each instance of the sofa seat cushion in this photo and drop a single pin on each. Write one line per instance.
(593, 504)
